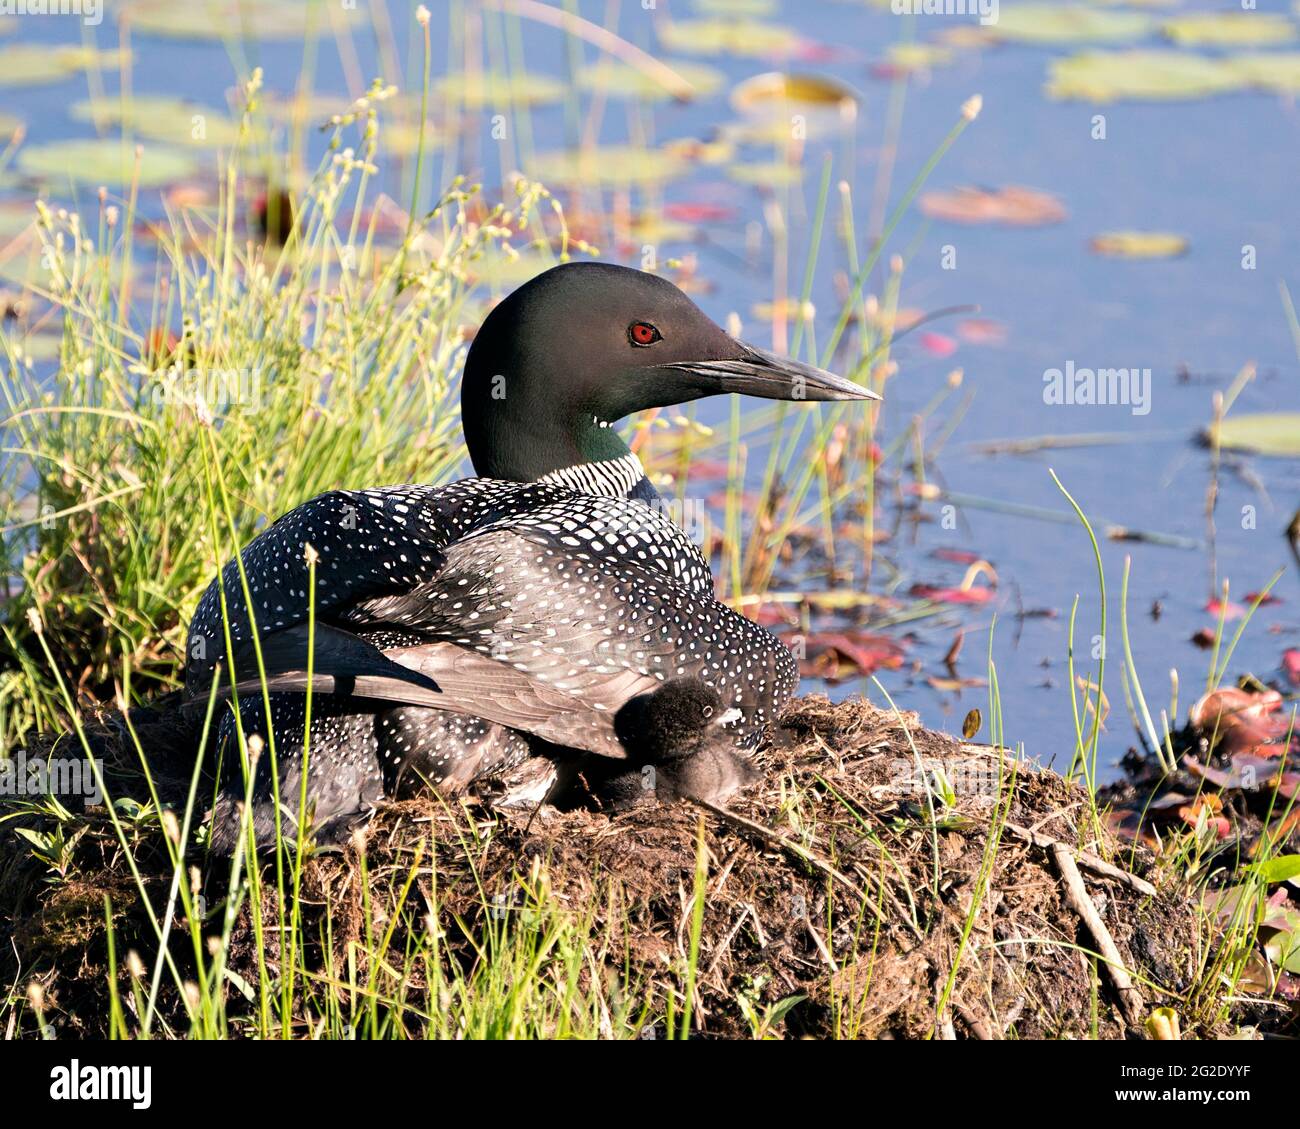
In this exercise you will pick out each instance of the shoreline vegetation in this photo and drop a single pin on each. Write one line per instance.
(884, 880)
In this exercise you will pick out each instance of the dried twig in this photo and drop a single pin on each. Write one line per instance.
(1076, 896)
(1083, 858)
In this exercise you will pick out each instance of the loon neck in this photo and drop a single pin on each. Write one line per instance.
(619, 477)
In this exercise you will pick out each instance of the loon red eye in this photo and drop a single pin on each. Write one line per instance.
(643, 333)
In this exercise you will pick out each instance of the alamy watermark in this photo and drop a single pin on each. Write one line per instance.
(1107, 387)
(42, 776)
(90, 11)
(986, 10)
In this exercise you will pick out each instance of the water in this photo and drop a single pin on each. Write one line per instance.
(1221, 171)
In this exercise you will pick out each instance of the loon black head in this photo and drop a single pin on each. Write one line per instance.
(583, 345)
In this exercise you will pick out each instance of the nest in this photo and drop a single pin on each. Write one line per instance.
(884, 881)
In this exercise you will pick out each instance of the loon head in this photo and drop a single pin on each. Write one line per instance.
(584, 345)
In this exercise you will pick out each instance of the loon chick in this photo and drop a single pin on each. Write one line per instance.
(677, 746)
(459, 628)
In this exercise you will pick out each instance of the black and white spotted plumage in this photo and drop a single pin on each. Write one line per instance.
(537, 610)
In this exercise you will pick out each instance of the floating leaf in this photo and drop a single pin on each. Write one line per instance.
(28, 64)
(775, 94)
(625, 81)
(1054, 23)
(1262, 433)
(487, 90)
(265, 19)
(105, 161)
(1276, 70)
(744, 37)
(908, 58)
(162, 118)
(736, 7)
(1139, 244)
(1155, 75)
(606, 165)
(766, 173)
(1013, 205)
(1227, 29)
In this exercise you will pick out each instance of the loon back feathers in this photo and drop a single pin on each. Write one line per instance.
(533, 607)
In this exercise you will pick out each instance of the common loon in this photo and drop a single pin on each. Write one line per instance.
(460, 629)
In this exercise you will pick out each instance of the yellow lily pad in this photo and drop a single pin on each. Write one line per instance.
(1150, 75)
(244, 19)
(1272, 70)
(609, 165)
(106, 161)
(29, 64)
(746, 38)
(490, 90)
(624, 81)
(1228, 29)
(162, 118)
(766, 173)
(1056, 23)
(775, 92)
(1139, 244)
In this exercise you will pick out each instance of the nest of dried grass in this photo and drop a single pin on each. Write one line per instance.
(887, 910)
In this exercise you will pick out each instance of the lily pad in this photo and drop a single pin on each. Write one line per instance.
(162, 118)
(609, 165)
(1139, 244)
(1012, 205)
(908, 58)
(1262, 433)
(1273, 70)
(105, 161)
(29, 64)
(1155, 75)
(624, 81)
(265, 19)
(736, 7)
(1054, 23)
(1229, 29)
(490, 90)
(777, 96)
(771, 173)
(747, 38)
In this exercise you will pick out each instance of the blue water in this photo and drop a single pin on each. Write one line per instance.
(1221, 171)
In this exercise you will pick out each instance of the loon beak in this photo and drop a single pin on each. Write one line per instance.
(756, 372)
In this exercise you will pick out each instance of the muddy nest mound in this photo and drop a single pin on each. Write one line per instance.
(885, 881)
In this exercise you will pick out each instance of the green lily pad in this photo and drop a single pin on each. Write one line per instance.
(105, 161)
(625, 81)
(29, 64)
(244, 19)
(1139, 244)
(1155, 75)
(1262, 433)
(1054, 23)
(751, 39)
(1229, 29)
(609, 165)
(1272, 70)
(162, 118)
(488, 90)
(766, 173)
